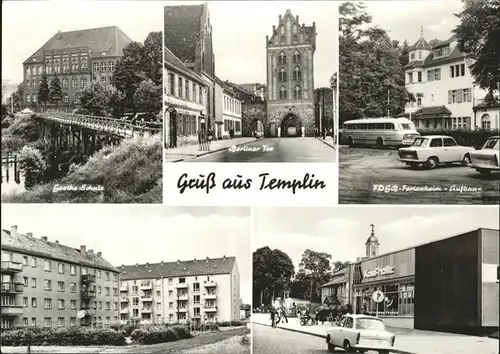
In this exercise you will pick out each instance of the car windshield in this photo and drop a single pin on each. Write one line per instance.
(491, 144)
(420, 142)
(370, 323)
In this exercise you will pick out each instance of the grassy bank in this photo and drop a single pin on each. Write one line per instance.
(128, 173)
(23, 130)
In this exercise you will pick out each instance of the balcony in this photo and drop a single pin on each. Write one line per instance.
(12, 310)
(88, 294)
(146, 285)
(11, 267)
(124, 299)
(181, 286)
(182, 309)
(209, 284)
(197, 316)
(147, 298)
(88, 278)
(210, 296)
(146, 310)
(183, 297)
(124, 312)
(210, 308)
(124, 288)
(12, 288)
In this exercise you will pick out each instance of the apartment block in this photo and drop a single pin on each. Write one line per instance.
(206, 290)
(47, 284)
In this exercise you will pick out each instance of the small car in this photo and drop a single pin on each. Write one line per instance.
(486, 160)
(432, 150)
(360, 333)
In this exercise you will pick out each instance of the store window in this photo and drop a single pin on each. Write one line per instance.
(399, 300)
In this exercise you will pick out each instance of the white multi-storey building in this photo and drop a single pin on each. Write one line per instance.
(446, 96)
(205, 290)
(228, 110)
(185, 97)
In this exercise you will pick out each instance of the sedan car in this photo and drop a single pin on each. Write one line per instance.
(432, 150)
(486, 159)
(360, 333)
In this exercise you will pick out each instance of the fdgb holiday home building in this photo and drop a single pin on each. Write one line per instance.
(446, 96)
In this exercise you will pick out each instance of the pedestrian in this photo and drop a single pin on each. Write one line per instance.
(324, 133)
(273, 318)
(283, 313)
(199, 140)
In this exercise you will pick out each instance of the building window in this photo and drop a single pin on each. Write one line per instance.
(201, 95)
(297, 74)
(33, 302)
(33, 262)
(106, 276)
(295, 39)
(28, 99)
(96, 67)
(33, 321)
(282, 39)
(65, 66)
(72, 287)
(60, 321)
(47, 322)
(194, 93)
(83, 82)
(74, 65)
(412, 56)
(57, 66)
(65, 98)
(420, 97)
(25, 301)
(107, 291)
(72, 321)
(28, 84)
(85, 63)
(60, 286)
(297, 94)
(171, 81)
(28, 71)
(60, 268)
(419, 76)
(115, 277)
(282, 75)
(111, 66)
(410, 77)
(72, 270)
(283, 95)
(179, 90)
(72, 304)
(486, 122)
(48, 284)
(103, 66)
(466, 95)
(282, 58)
(34, 98)
(48, 303)
(60, 304)
(74, 83)
(186, 93)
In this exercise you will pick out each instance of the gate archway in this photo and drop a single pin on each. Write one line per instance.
(291, 126)
(257, 127)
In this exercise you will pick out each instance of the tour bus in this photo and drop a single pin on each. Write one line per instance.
(382, 132)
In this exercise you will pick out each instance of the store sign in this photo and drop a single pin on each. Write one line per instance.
(379, 271)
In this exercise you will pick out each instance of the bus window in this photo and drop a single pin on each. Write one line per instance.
(406, 126)
(389, 126)
(380, 126)
(370, 126)
(362, 126)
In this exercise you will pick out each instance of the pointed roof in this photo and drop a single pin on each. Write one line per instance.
(182, 30)
(172, 61)
(111, 40)
(208, 266)
(308, 31)
(420, 44)
(372, 238)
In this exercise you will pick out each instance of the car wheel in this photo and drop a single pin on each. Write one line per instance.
(484, 172)
(380, 143)
(348, 348)
(350, 141)
(431, 163)
(466, 160)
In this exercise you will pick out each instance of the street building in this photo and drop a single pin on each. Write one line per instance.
(188, 37)
(47, 284)
(450, 285)
(228, 110)
(205, 290)
(290, 78)
(446, 96)
(324, 103)
(185, 101)
(78, 58)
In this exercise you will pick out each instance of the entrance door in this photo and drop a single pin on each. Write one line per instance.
(173, 129)
(273, 131)
(291, 126)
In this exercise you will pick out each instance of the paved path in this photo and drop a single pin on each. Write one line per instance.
(362, 168)
(407, 340)
(275, 150)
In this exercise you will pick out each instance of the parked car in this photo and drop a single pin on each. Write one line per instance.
(432, 150)
(360, 333)
(486, 159)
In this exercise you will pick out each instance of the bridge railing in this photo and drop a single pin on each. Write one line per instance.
(113, 125)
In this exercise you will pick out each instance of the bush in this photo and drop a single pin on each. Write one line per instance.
(160, 334)
(475, 138)
(32, 163)
(62, 336)
(231, 324)
(11, 142)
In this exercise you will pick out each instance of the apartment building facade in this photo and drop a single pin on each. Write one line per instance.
(78, 58)
(206, 290)
(446, 96)
(185, 97)
(47, 284)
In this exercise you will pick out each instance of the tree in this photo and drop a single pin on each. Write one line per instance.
(404, 53)
(55, 91)
(152, 59)
(314, 270)
(148, 97)
(18, 97)
(43, 91)
(371, 75)
(272, 273)
(478, 36)
(100, 99)
(32, 163)
(434, 42)
(338, 265)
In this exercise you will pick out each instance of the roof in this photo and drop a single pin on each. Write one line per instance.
(171, 60)
(431, 112)
(111, 40)
(376, 120)
(414, 64)
(36, 246)
(223, 84)
(183, 30)
(421, 43)
(371, 239)
(208, 266)
(434, 136)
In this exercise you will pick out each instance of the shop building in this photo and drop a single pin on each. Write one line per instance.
(449, 285)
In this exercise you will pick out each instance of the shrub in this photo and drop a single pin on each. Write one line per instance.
(11, 142)
(63, 336)
(475, 138)
(32, 163)
(160, 334)
(231, 324)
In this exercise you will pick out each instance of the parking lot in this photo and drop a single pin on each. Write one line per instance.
(376, 176)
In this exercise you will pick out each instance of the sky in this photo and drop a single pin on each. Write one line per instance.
(343, 231)
(130, 234)
(404, 19)
(240, 29)
(27, 25)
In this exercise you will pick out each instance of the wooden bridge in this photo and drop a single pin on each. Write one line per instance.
(86, 134)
